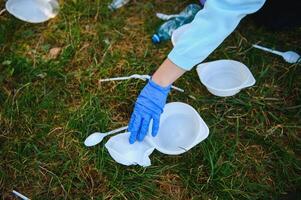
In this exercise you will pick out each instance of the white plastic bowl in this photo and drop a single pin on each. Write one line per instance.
(34, 11)
(225, 77)
(181, 128)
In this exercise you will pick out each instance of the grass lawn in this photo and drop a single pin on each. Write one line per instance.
(50, 101)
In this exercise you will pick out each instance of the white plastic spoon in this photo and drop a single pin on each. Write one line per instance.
(96, 138)
(288, 56)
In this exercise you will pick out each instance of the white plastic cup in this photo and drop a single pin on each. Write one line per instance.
(225, 77)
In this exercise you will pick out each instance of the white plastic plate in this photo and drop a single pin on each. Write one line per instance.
(33, 11)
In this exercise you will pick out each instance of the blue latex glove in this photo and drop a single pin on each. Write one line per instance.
(149, 106)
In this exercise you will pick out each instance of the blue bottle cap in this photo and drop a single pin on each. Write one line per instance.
(155, 39)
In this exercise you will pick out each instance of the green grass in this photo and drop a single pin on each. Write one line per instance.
(48, 107)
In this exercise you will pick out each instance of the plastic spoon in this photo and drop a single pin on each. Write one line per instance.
(96, 138)
(288, 56)
(144, 78)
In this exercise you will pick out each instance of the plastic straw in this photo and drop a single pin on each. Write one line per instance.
(20, 195)
(135, 76)
(144, 78)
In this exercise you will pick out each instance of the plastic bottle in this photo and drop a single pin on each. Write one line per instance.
(165, 30)
(117, 4)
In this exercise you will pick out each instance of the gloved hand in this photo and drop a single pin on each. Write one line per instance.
(149, 106)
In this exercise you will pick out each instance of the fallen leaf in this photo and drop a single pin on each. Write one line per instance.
(54, 52)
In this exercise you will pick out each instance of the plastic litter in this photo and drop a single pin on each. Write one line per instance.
(288, 56)
(165, 30)
(97, 137)
(33, 11)
(20, 195)
(117, 4)
(181, 128)
(129, 154)
(144, 78)
(225, 77)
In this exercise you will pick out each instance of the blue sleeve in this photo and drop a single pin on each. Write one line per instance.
(208, 30)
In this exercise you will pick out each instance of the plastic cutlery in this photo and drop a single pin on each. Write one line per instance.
(288, 56)
(136, 76)
(97, 137)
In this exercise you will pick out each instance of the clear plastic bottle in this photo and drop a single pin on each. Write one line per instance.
(117, 4)
(186, 16)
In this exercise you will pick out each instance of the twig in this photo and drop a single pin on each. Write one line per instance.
(50, 172)
(35, 51)
(2, 11)
(16, 93)
(106, 51)
(192, 97)
(144, 78)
